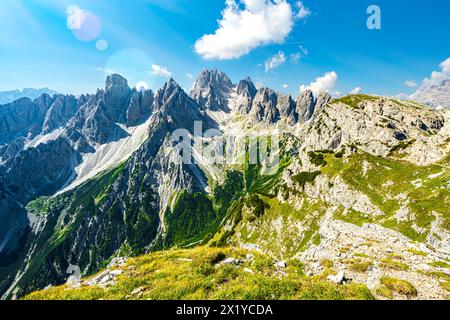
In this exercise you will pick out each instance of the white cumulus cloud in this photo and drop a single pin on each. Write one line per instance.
(327, 83)
(438, 76)
(285, 86)
(275, 61)
(189, 75)
(246, 25)
(435, 79)
(357, 90)
(160, 71)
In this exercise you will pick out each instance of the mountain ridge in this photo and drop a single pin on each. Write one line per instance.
(12, 95)
(150, 199)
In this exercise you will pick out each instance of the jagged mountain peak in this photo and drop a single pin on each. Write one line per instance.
(264, 108)
(247, 88)
(115, 80)
(170, 89)
(212, 90)
(322, 100)
(213, 77)
(444, 83)
(171, 83)
(306, 93)
(44, 99)
(305, 105)
(116, 97)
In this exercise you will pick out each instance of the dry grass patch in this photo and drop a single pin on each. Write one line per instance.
(390, 286)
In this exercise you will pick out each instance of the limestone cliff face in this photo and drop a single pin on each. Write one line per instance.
(379, 125)
(305, 105)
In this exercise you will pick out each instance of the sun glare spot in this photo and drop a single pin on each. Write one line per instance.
(141, 86)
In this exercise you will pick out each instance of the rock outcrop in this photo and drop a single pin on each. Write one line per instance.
(305, 106)
(264, 107)
(246, 92)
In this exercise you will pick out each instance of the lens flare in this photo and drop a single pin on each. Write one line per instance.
(85, 25)
(101, 45)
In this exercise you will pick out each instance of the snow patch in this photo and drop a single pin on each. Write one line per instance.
(41, 139)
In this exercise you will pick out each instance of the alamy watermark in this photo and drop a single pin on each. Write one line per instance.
(75, 274)
(212, 147)
(374, 20)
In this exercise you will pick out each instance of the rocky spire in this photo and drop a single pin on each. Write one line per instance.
(246, 88)
(264, 108)
(305, 105)
(181, 110)
(212, 90)
(140, 107)
(323, 99)
(246, 92)
(116, 97)
(169, 91)
(286, 106)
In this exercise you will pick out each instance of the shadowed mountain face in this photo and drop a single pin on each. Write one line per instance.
(86, 179)
(42, 141)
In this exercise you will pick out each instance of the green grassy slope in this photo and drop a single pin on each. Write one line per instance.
(199, 274)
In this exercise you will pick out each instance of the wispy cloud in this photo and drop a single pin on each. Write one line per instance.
(302, 11)
(296, 56)
(275, 61)
(357, 90)
(410, 83)
(160, 71)
(107, 70)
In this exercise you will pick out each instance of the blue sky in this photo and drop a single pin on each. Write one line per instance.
(148, 40)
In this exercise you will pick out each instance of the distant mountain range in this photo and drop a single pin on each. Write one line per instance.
(10, 96)
(436, 96)
(360, 192)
